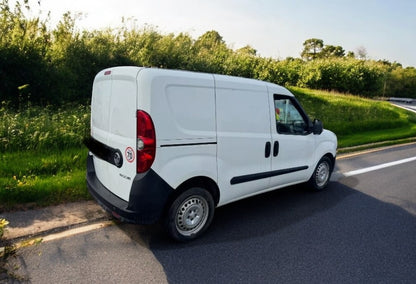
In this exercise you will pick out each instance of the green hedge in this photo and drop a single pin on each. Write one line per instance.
(53, 66)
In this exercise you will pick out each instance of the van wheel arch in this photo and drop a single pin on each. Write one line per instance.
(193, 201)
(325, 167)
(202, 182)
(332, 159)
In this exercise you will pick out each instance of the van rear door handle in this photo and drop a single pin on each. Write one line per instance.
(276, 148)
(267, 149)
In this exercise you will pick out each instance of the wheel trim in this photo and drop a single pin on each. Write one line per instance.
(192, 215)
(322, 174)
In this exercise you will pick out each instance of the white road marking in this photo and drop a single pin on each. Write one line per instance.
(64, 234)
(378, 167)
(76, 231)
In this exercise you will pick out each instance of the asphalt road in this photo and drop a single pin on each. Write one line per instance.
(362, 229)
(408, 106)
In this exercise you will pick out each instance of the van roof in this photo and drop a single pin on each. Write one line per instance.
(132, 71)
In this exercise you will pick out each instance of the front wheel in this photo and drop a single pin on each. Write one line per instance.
(321, 175)
(190, 214)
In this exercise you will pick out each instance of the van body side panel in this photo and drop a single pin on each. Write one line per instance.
(182, 106)
(326, 143)
(177, 164)
(243, 125)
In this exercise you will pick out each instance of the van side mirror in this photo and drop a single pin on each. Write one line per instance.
(317, 127)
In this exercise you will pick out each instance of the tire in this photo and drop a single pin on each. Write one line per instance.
(321, 175)
(190, 214)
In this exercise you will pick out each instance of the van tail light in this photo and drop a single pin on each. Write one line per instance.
(146, 141)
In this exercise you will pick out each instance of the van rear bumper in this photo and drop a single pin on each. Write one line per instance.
(148, 197)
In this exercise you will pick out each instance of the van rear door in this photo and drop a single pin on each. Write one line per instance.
(113, 128)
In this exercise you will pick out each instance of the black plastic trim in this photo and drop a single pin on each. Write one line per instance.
(252, 177)
(104, 152)
(276, 148)
(148, 197)
(189, 144)
(267, 149)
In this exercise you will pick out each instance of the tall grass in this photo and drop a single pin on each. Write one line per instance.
(37, 128)
(42, 158)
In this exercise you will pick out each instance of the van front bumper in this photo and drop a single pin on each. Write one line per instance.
(148, 197)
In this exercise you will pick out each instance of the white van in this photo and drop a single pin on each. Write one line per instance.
(172, 145)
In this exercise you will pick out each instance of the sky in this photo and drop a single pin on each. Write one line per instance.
(386, 29)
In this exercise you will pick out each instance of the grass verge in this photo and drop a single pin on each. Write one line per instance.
(357, 121)
(34, 178)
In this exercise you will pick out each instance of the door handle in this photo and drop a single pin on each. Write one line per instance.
(275, 148)
(267, 149)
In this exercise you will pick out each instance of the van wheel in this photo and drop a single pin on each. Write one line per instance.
(190, 214)
(320, 177)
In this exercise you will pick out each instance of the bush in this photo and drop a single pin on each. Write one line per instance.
(57, 66)
(38, 128)
(344, 75)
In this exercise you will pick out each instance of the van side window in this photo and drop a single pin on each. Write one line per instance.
(289, 120)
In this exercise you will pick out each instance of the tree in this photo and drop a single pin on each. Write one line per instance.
(361, 52)
(401, 82)
(351, 54)
(332, 51)
(209, 40)
(247, 50)
(312, 48)
(210, 53)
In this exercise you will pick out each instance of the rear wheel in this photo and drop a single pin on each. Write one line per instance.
(320, 177)
(190, 214)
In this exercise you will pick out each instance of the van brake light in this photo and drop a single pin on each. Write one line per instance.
(146, 141)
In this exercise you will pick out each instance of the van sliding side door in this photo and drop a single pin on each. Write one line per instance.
(243, 135)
